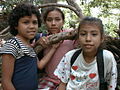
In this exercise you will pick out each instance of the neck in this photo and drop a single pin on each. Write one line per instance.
(89, 57)
(24, 41)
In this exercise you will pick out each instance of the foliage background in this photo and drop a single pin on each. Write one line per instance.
(107, 10)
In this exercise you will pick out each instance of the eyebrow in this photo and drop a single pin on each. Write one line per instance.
(91, 30)
(28, 19)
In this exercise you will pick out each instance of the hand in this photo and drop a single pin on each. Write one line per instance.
(43, 41)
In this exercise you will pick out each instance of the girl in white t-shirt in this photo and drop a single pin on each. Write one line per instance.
(83, 74)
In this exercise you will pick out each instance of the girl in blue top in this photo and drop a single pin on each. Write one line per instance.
(19, 61)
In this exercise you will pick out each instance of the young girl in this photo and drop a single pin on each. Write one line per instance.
(54, 20)
(19, 61)
(83, 74)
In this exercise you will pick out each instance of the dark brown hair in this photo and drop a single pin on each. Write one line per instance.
(21, 10)
(48, 10)
(92, 21)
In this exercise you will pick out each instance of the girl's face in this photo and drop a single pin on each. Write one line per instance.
(90, 38)
(54, 22)
(27, 27)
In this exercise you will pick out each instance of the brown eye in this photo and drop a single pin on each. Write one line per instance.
(26, 22)
(82, 34)
(94, 34)
(57, 19)
(49, 19)
(35, 22)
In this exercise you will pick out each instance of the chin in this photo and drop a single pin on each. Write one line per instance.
(31, 37)
(88, 50)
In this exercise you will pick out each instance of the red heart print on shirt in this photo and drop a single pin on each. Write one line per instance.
(92, 75)
(72, 77)
(74, 67)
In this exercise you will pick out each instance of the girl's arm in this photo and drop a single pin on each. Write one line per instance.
(111, 69)
(7, 71)
(47, 57)
(113, 76)
(62, 86)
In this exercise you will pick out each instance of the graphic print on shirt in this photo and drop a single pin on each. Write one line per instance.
(75, 67)
(82, 77)
(85, 76)
(63, 69)
(92, 75)
(108, 76)
(78, 78)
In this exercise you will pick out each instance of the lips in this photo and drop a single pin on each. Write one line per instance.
(31, 32)
(88, 45)
(53, 28)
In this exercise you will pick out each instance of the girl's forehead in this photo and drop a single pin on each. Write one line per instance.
(30, 16)
(89, 26)
(55, 12)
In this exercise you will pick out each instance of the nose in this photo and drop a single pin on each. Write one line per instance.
(31, 25)
(88, 38)
(53, 22)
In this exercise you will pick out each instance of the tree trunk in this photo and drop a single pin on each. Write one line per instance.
(57, 38)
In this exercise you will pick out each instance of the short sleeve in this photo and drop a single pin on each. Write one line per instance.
(63, 69)
(10, 47)
(111, 75)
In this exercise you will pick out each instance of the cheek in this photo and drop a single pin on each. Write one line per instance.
(61, 24)
(98, 42)
(47, 25)
(36, 26)
(80, 40)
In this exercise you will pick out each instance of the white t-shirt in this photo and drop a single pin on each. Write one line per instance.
(84, 76)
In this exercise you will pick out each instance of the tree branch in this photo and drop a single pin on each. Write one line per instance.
(57, 38)
(72, 3)
(61, 5)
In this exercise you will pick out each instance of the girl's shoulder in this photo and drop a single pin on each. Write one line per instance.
(107, 53)
(13, 41)
(10, 47)
(108, 56)
(71, 52)
(18, 48)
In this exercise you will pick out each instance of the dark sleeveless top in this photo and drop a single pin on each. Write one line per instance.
(25, 67)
